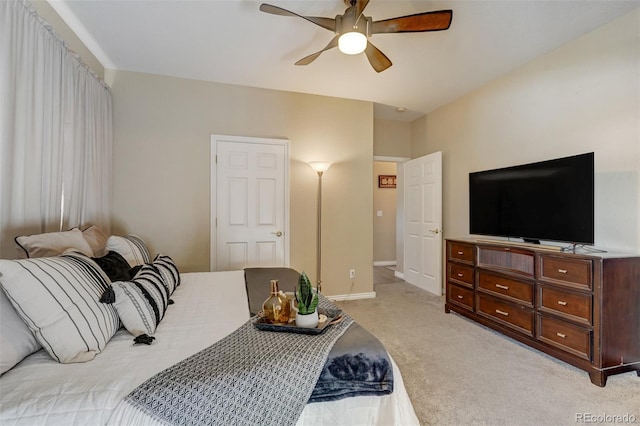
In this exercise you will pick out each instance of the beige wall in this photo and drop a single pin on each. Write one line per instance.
(62, 29)
(583, 97)
(384, 227)
(391, 138)
(162, 128)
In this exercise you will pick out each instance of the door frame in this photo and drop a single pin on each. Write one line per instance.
(399, 272)
(213, 212)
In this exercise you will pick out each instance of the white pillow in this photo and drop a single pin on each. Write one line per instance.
(97, 240)
(16, 340)
(169, 271)
(58, 299)
(141, 302)
(52, 244)
(131, 247)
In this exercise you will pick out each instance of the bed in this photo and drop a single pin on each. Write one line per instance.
(207, 307)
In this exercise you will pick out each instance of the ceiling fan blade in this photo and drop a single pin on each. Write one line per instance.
(427, 21)
(308, 59)
(377, 59)
(360, 7)
(327, 23)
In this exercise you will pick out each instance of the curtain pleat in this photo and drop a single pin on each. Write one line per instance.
(55, 132)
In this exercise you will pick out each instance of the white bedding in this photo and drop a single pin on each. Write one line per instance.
(208, 306)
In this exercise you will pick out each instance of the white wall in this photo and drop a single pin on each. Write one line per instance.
(582, 97)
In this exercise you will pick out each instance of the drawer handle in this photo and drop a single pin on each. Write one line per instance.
(460, 253)
(561, 335)
(460, 275)
(460, 296)
(562, 271)
(562, 303)
(498, 311)
(504, 287)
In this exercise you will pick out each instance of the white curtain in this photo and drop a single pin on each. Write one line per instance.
(55, 132)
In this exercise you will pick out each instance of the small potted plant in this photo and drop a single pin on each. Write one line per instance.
(307, 299)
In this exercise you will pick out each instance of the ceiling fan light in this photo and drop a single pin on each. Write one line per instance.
(352, 43)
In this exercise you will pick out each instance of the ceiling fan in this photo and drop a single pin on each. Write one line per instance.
(353, 29)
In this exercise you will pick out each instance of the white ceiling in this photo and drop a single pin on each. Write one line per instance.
(231, 41)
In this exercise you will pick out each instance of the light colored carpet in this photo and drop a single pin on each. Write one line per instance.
(458, 372)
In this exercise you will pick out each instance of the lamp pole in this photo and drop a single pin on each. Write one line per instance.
(320, 167)
(319, 238)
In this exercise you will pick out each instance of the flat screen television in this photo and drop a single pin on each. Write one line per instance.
(548, 200)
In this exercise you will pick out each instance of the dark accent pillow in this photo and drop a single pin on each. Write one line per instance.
(133, 271)
(257, 282)
(114, 265)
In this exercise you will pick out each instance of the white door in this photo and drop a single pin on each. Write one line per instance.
(249, 202)
(423, 222)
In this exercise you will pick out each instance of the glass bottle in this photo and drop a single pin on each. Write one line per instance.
(275, 309)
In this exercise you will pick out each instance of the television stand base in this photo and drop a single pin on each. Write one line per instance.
(521, 244)
(531, 241)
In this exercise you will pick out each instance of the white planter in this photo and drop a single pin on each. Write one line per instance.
(308, 320)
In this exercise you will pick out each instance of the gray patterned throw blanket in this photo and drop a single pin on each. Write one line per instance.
(249, 377)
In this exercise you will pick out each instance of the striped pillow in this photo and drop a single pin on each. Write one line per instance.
(58, 299)
(142, 302)
(169, 271)
(131, 247)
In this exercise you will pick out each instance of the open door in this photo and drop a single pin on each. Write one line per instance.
(423, 222)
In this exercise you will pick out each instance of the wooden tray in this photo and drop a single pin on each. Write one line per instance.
(334, 316)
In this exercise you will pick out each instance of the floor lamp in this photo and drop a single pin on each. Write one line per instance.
(320, 167)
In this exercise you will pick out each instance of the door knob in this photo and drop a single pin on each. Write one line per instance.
(435, 231)
(277, 234)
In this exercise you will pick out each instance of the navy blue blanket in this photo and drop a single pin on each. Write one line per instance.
(357, 365)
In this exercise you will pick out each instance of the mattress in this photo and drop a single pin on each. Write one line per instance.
(208, 306)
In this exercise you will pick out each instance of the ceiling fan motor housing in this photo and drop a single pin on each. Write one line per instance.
(349, 23)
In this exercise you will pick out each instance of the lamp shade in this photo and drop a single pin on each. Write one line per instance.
(352, 43)
(320, 166)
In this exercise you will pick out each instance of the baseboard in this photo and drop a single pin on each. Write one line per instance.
(398, 274)
(384, 263)
(354, 296)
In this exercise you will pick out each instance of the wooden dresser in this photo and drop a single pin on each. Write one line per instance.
(581, 308)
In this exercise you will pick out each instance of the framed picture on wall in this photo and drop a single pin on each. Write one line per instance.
(386, 181)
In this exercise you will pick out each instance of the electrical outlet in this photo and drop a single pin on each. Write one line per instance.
(352, 273)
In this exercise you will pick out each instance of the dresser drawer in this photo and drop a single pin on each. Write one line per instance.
(569, 304)
(564, 335)
(565, 271)
(519, 290)
(462, 252)
(512, 315)
(460, 296)
(462, 274)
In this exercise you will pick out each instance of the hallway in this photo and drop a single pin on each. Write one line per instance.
(382, 275)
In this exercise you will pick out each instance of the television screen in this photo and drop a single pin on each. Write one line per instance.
(548, 200)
